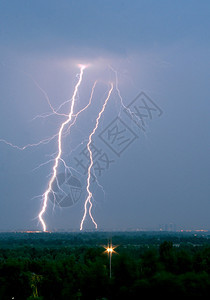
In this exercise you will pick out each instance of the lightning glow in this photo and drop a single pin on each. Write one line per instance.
(89, 197)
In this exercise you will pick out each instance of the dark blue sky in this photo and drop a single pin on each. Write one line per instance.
(161, 48)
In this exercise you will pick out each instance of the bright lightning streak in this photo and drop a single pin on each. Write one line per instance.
(58, 157)
(91, 96)
(89, 197)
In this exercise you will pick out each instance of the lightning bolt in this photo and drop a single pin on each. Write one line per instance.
(64, 130)
(89, 197)
(59, 154)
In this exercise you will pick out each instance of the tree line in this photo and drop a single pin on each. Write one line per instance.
(35, 271)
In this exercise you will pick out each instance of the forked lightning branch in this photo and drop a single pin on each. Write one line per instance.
(65, 127)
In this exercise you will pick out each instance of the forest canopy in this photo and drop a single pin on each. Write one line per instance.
(75, 266)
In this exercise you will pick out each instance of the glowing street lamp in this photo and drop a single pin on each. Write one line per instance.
(110, 251)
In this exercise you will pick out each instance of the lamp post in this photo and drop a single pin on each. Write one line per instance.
(110, 250)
